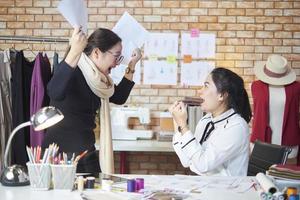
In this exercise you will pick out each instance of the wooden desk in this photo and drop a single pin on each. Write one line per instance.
(207, 193)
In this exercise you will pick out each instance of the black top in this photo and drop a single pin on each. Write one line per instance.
(69, 92)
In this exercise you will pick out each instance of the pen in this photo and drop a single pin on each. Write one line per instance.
(80, 156)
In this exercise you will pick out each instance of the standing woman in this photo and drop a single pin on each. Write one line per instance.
(80, 85)
(220, 144)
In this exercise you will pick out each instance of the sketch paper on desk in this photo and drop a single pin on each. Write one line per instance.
(103, 195)
(118, 72)
(161, 45)
(197, 183)
(195, 73)
(75, 12)
(133, 35)
(160, 72)
(203, 46)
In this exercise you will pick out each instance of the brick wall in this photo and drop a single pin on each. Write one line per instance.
(247, 33)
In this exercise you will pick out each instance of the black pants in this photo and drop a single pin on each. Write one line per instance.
(89, 163)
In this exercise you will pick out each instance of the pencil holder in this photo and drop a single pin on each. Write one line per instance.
(63, 176)
(39, 176)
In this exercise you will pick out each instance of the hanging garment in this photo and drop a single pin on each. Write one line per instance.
(21, 83)
(5, 102)
(38, 98)
(55, 62)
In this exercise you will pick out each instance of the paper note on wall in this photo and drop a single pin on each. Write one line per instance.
(162, 45)
(160, 72)
(118, 73)
(133, 35)
(203, 46)
(195, 73)
(75, 12)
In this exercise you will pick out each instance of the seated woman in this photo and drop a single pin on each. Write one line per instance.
(220, 144)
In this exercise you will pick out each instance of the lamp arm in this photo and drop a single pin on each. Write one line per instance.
(10, 139)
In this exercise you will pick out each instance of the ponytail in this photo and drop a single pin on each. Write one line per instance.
(243, 106)
(229, 82)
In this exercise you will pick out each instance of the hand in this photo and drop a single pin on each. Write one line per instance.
(78, 41)
(179, 113)
(136, 55)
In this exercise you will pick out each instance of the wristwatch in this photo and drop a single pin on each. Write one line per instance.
(129, 70)
(180, 128)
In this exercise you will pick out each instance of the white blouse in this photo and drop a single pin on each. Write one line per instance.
(224, 153)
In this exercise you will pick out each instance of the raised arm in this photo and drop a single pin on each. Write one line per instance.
(58, 84)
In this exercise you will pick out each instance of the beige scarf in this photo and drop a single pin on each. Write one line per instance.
(103, 87)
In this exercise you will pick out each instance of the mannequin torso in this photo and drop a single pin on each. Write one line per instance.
(277, 99)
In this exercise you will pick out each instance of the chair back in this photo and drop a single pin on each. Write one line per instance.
(264, 155)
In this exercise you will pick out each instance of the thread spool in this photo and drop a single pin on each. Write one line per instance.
(80, 183)
(270, 196)
(139, 183)
(291, 191)
(106, 184)
(294, 197)
(263, 195)
(279, 196)
(90, 182)
(131, 185)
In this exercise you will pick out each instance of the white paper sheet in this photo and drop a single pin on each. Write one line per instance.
(132, 33)
(75, 12)
(118, 73)
(195, 73)
(160, 72)
(161, 45)
(186, 183)
(203, 46)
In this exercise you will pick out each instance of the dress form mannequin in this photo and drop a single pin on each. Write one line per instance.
(276, 97)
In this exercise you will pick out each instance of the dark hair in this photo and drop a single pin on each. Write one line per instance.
(102, 38)
(227, 81)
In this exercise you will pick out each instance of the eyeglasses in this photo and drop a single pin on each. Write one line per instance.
(119, 58)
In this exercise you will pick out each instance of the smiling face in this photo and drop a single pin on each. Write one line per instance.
(106, 61)
(213, 101)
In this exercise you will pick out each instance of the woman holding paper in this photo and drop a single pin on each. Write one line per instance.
(220, 144)
(80, 85)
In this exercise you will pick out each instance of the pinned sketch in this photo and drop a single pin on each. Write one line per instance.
(203, 46)
(161, 45)
(160, 72)
(75, 12)
(118, 73)
(132, 33)
(195, 73)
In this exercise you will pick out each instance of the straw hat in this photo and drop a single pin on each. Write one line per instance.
(275, 71)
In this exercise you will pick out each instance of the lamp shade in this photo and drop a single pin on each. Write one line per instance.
(16, 175)
(45, 117)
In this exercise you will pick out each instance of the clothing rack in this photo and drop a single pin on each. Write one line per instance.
(33, 39)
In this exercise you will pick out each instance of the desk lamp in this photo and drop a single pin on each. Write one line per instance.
(16, 175)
